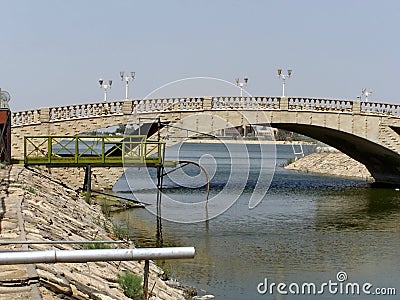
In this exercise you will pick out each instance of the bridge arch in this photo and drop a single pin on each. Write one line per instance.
(381, 162)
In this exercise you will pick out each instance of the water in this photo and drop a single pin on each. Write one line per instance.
(307, 229)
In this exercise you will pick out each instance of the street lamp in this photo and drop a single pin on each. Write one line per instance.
(365, 93)
(105, 87)
(242, 84)
(284, 77)
(126, 79)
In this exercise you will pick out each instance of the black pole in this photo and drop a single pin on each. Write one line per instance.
(146, 280)
(160, 177)
(158, 129)
(87, 184)
(159, 239)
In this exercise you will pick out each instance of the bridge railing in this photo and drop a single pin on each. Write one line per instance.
(61, 113)
(380, 108)
(320, 104)
(85, 110)
(148, 151)
(167, 104)
(246, 103)
(80, 111)
(21, 118)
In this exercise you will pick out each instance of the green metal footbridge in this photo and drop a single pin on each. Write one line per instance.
(94, 151)
(89, 151)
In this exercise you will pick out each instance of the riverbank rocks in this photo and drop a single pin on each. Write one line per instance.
(102, 178)
(331, 163)
(36, 207)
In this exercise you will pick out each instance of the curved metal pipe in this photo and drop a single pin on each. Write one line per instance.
(204, 171)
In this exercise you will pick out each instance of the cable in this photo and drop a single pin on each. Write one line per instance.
(190, 130)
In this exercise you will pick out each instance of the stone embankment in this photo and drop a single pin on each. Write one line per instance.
(331, 162)
(102, 178)
(36, 208)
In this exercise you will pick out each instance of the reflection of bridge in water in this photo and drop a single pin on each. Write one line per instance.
(368, 132)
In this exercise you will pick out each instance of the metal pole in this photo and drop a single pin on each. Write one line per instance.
(159, 190)
(126, 88)
(158, 129)
(146, 280)
(83, 256)
(105, 94)
(89, 179)
(159, 238)
(160, 177)
(283, 86)
(159, 235)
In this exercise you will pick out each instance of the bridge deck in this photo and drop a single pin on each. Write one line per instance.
(96, 151)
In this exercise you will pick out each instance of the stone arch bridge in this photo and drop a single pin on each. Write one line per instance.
(366, 131)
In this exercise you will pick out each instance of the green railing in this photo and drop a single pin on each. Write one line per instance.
(91, 150)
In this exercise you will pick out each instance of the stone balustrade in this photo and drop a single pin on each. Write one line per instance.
(62, 113)
(22, 118)
(85, 111)
(380, 108)
(245, 103)
(320, 104)
(167, 104)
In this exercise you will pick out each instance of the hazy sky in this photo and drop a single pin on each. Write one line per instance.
(53, 52)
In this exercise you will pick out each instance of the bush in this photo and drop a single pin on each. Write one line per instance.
(106, 208)
(120, 232)
(97, 246)
(131, 284)
(290, 161)
(88, 197)
(31, 190)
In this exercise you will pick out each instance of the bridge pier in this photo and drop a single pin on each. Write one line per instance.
(284, 103)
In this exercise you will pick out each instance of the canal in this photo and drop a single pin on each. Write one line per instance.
(307, 228)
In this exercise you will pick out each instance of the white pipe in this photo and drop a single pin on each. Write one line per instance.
(82, 256)
(61, 242)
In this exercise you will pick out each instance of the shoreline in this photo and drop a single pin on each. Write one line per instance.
(37, 207)
(331, 164)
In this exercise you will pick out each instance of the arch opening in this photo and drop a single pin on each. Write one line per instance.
(382, 163)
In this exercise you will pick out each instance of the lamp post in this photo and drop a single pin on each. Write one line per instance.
(242, 84)
(126, 79)
(105, 87)
(365, 93)
(284, 77)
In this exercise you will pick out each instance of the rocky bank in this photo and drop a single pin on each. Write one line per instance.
(331, 163)
(35, 207)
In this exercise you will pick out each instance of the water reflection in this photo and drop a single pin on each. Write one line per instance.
(359, 209)
(306, 229)
(292, 235)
